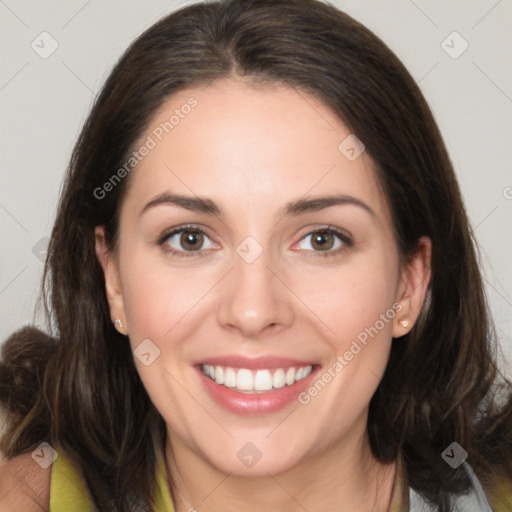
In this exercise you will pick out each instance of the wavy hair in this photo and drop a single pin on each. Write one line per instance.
(78, 387)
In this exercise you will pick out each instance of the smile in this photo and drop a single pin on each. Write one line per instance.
(255, 381)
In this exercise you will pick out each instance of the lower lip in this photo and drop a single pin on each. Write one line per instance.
(257, 403)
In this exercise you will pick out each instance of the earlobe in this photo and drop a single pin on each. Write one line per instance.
(414, 281)
(113, 290)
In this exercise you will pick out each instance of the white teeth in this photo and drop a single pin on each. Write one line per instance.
(230, 378)
(259, 380)
(278, 379)
(244, 380)
(208, 370)
(219, 375)
(262, 381)
(303, 372)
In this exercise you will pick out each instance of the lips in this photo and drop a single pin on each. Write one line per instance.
(255, 386)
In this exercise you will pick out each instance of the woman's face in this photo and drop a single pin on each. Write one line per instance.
(263, 298)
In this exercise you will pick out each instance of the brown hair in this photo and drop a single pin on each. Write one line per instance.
(79, 389)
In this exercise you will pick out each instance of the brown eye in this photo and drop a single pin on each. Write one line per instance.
(185, 241)
(327, 241)
(322, 240)
(191, 240)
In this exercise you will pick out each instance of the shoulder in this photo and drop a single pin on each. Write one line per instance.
(499, 494)
(24, 485)
(492, 497)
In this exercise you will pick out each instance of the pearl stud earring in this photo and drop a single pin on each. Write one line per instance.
(119, 325)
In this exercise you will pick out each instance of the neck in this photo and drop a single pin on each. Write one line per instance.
(344, 477)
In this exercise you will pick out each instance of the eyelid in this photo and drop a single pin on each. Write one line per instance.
(345, 238)
(318, 228)
(178, 229)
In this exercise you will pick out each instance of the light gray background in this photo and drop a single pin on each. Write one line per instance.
(43, 103)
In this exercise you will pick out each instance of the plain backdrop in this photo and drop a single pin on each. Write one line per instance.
(44, 101)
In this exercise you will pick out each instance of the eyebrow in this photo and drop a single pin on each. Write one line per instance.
(293, 208)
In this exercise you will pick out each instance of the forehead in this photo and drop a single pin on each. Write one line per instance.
(250, 144)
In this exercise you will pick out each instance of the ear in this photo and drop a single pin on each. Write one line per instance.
(414, 279)
(113, 290)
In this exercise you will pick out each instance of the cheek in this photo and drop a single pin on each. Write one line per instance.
(161, 305)
(156, 302)
(157, 297)
(354, 298)
(358, 305)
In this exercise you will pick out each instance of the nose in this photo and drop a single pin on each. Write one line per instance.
(255, 299)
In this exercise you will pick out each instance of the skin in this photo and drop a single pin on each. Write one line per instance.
(251, 150)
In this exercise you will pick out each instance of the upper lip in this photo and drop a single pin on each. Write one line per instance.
(254, 363)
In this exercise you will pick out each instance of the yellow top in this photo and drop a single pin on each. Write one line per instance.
(68, 491)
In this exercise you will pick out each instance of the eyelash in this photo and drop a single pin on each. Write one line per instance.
(347, 241)
(168, 234)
